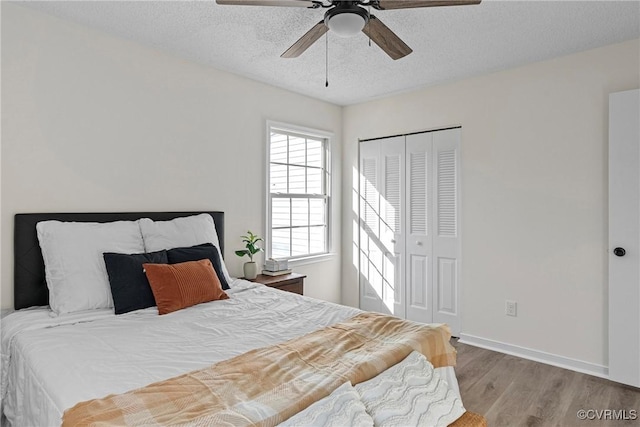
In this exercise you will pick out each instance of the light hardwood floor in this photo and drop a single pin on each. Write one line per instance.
(511, 392)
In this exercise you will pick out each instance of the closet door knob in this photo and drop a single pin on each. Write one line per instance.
(419, 243)
(619, 252)
(393, 241)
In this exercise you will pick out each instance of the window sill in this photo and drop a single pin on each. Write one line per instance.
(311, 259)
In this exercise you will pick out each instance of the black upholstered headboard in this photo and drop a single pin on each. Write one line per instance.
(30, 287)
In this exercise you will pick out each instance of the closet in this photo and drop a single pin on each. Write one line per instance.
(409, 226)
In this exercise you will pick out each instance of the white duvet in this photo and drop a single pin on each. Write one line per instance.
(50, 364)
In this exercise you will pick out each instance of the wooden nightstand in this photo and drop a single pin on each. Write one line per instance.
(292, 282)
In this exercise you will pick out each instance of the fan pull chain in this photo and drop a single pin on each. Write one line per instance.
(326, 59)
(368, 27)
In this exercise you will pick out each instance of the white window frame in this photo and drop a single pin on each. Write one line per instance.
(303, 132)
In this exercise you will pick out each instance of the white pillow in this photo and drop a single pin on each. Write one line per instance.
(181, 232)
(74, 267)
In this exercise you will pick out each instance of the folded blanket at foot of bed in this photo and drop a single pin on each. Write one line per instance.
(267, 386)
(410, 393)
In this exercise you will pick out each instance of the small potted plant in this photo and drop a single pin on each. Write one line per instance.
(250, 268)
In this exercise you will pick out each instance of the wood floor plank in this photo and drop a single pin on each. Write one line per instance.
(590, 393)
(556, 394)
(521, 395)
(484, 393)
(623, 401)
(476, 368)
(466, 353)
(513, 392)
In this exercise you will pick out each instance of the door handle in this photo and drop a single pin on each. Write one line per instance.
(619, 252)
(393, 241)
(419, 243)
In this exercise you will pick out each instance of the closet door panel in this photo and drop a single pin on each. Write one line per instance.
(445, 167)
(392, 200)
(447, 282)
(419, 226)
(371, 282)
(418, 273)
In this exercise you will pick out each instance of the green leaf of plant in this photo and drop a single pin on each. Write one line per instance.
(250, 240)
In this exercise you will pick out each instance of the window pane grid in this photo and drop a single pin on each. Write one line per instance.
(298, 226)
(299, 196)
(290, 164)
(298, 199)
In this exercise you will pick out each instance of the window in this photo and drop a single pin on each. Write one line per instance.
(298, 193)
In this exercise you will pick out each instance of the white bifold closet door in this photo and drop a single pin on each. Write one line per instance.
(419, 242)
(382, 184)
(409, 227)
(446, 228)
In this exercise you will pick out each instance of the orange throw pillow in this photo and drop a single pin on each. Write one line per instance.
(178, 286)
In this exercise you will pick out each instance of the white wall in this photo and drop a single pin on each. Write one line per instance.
(95, 123)
(534, 194)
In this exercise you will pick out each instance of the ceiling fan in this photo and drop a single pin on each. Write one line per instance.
(348, 18)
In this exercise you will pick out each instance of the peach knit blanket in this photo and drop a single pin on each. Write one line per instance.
(268, 385)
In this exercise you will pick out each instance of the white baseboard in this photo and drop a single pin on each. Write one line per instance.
(537, 356)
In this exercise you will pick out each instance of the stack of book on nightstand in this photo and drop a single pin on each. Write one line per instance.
(275, 267)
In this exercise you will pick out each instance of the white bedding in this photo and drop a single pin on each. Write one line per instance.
(50, 364)
(411, 393)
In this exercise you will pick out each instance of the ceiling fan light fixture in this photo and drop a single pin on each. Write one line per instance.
(346, 19)
(346, 24)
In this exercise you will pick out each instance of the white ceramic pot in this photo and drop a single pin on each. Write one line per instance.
(250, 270)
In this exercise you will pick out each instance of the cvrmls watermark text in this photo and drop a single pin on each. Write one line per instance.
(607, 414)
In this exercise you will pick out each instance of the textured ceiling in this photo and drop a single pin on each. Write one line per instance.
(449, 43)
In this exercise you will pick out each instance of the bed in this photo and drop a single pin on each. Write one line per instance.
(52, 363)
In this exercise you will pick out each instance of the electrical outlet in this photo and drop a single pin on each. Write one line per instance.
(511, 308)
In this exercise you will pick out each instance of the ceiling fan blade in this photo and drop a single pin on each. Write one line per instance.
(285, 3)
(305, 41)
(410, 4)
(386, 39)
